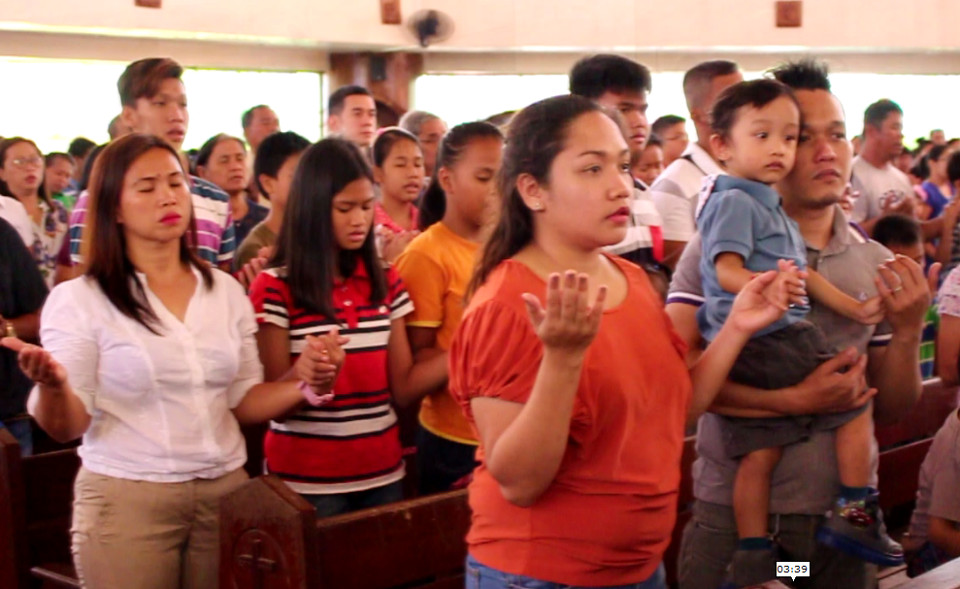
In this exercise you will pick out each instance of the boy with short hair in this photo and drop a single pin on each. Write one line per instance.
(273, 170)
(621, 85)
(902, 235)
(745, 231)
(154, 101)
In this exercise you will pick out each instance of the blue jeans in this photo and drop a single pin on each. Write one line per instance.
(337, 503)
(21, 430)
(480, 576)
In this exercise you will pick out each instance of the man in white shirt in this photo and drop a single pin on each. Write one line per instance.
(12, 211)
(675, 191)
(883, 188)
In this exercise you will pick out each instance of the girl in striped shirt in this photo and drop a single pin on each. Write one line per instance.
(325, 294)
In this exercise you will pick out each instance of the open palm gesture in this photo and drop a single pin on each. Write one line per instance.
(568, 323)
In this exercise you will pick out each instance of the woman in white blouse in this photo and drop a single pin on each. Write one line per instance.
(151, 356)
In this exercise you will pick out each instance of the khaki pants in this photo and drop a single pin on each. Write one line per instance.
(141, 535)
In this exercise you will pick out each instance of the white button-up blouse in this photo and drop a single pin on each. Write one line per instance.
(160, 404)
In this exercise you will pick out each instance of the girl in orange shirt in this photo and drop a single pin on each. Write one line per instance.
(436, 267)
(580, 405)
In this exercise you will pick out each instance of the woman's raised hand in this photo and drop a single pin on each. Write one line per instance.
(568, 323)
(36, 363)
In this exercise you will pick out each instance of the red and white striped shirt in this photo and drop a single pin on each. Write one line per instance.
(353, 443)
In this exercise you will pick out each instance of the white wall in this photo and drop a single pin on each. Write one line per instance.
(887, 62)
(514, 24)
(213, 54)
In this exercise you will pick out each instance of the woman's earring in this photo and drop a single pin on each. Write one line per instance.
(537, 206)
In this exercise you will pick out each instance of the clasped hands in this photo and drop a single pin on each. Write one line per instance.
(319, 364)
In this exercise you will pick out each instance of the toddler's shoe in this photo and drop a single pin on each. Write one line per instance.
(856, 527)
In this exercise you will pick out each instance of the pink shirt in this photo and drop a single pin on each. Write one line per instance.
(380, 217)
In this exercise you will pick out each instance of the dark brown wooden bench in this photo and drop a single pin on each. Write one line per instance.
(904, 444)
(36, 497)
(34, 539)
(270, 538)
(330, 546)
(945, 576)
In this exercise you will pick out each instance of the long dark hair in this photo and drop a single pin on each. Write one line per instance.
(434, 203)
(104, 244)
(5, 145)
(307, 245)
(537, 134)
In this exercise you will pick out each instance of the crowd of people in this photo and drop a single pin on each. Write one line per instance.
(559, 292)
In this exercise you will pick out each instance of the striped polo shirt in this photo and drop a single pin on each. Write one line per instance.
(211, 209)
(352, 443)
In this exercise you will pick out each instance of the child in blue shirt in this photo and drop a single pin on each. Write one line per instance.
(745, 231)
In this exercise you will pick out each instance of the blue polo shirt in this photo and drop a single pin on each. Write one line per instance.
(744, 217)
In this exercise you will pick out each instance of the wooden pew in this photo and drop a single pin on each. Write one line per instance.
(36, 536)
(945, 576)
(399, 528)
(904, 444)
(271, 539)
(36, 496)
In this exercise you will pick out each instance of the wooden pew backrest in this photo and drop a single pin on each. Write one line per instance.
(48, 482)
(14, 569)
(268, 537)
(923, 420)
(36, 499)
(416, 543)
(945, 576)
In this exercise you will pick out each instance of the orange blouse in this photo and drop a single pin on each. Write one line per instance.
(608, 515)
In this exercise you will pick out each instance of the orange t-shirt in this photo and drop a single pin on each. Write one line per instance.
(607, 517)
(436, 268)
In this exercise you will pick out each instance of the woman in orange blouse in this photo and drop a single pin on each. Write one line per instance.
(580, 405)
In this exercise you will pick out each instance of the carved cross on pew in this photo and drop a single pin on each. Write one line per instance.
(258, 563)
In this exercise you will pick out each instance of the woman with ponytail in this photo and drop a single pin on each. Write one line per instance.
(571, 373)
(436, 267)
